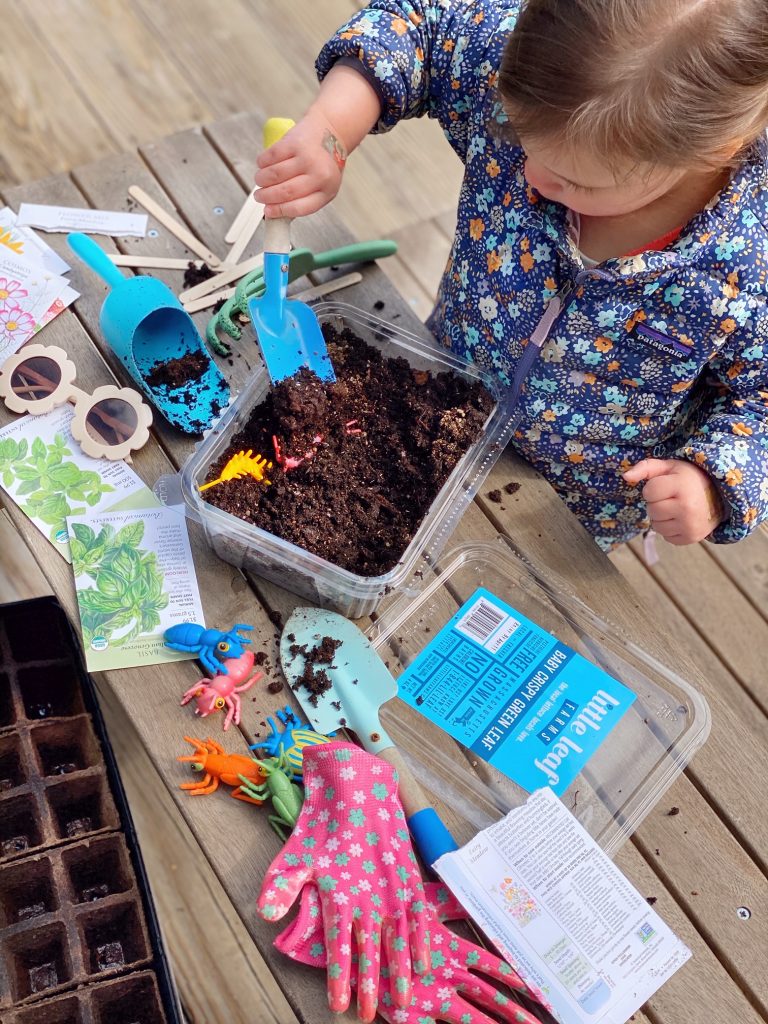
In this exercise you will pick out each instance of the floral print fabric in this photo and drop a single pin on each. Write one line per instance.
(659, 355)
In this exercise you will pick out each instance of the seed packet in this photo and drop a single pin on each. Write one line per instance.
(135, 578)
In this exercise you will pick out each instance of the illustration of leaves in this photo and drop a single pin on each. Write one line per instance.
(84, 534)
(7, 478)
(23, 448)
(65, 475)
(38, 448)
(27, 486)
(126, 562)
(149, 620)
(24, 472)
(131, 534)
(94, 601)
(9, 450)
(111, 585)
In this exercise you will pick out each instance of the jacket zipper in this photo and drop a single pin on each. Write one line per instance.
(555, 309)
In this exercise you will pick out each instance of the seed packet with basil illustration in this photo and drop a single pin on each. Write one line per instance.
(49, 477)
(135, 578)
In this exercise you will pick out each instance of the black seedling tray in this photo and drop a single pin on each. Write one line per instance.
(79, 937)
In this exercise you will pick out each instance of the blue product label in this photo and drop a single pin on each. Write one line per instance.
(514, 694)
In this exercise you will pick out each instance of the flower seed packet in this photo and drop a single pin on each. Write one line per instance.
(30, 296)
(49, 477)
(135, 578)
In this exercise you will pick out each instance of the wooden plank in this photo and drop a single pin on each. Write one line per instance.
(703, 990)
(124, 71)
(40, 106)
(238, 83)
(731, 625)
(424, 249)
(20, 578)
(746, 566)
(737, 723)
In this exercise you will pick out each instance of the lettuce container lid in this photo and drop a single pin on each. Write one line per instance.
(309, 574)
(642, 744)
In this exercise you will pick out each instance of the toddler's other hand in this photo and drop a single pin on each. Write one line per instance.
(302, 172)
(683, 503)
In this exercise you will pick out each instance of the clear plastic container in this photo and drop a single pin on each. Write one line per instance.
(306, 574)
(639, 759)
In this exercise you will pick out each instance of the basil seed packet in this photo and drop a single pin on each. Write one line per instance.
(49, 477)
(135, 578)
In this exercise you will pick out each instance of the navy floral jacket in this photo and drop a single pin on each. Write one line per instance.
(662, 354)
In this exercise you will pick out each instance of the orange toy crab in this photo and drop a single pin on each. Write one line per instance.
(217, 765)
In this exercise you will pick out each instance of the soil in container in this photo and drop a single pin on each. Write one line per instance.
(372, 452)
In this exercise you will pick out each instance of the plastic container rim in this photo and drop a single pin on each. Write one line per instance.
(455, 493)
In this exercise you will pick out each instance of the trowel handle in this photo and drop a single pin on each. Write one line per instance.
(277, 235)
(277, 230)
(94, 257)
(430, 834)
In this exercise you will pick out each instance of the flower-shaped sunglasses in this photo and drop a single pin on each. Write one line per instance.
(110, 423)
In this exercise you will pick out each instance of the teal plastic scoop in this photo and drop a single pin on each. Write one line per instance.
(147, 327)
(360, 684)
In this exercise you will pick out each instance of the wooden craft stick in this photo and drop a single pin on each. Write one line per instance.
(177, 230)
(256, 215)
(219, 280)
(237, 224)
(152, 262)
(208, 300)
(345, 281)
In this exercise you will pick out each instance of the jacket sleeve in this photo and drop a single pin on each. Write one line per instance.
(730, 441)
(425, 57)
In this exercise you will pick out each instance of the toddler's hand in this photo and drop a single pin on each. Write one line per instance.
(682, 501)
(302, 172)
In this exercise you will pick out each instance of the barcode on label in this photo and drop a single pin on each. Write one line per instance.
(481, 621)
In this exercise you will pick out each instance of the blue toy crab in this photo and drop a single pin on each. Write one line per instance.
(210, 645)
(295, 735)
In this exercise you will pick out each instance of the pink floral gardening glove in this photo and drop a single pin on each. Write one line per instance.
(448, 992)
(351, 844)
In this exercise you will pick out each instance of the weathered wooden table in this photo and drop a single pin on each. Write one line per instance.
(699, 873)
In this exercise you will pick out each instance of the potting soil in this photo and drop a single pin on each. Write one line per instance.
(375, 447)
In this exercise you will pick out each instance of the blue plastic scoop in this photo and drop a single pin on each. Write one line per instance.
(287, 330)
(146, 326)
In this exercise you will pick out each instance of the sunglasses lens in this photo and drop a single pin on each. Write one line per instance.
(36, 378)
(111, 421)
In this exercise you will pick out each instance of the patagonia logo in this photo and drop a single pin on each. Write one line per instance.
(661, 342)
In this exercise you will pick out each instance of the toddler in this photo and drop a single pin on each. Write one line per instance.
(611, 250)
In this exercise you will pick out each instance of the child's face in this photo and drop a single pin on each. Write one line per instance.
(584, 184)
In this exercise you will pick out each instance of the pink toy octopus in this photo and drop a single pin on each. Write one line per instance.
(222, 691)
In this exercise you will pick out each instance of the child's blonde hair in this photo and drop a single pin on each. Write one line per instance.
(659, 82)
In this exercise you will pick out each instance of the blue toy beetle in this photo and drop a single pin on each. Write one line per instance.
(291, 741)
(210, 645)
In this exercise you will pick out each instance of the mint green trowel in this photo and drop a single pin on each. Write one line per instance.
(360, 684)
